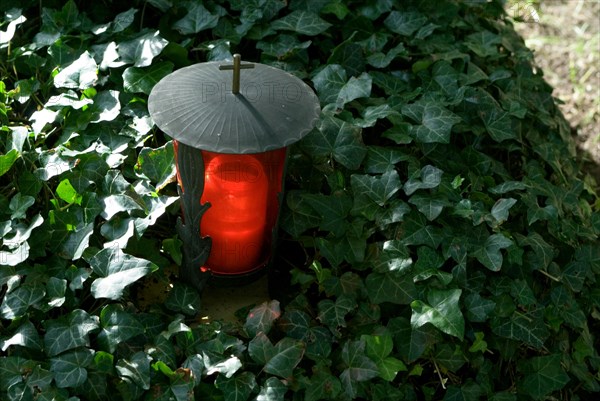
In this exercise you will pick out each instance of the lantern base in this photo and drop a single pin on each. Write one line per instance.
(236, 280)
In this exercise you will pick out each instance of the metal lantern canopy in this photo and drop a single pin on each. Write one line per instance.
(230, 125)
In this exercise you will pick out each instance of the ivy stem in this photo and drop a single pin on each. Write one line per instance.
(551, 277)
(437, 370)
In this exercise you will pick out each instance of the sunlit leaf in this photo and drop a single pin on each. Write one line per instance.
(81, 74)
(143, 79)
(441, 310)
(116, 271)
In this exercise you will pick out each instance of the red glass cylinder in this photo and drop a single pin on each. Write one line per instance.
(243, 191)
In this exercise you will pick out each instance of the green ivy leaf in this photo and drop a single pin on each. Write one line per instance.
(70, 368)
(299, 215)
(260, 349)
(419, 232)
(333, 210)
(501, 208)
(66, 192)
(379, 189)
(358, 366)
(323, 384)
(442, 311)
(391, 287)
(329, 81)
(118, 326)
(404, 22)
(238, 387)
(136, 368)
(483, 43)
(7, 160)
(302, 22)
(355, 88)
(467, 392)
(197, 19)
(489, 254)
(436, 122)
(184, 298)
(427, 178)
(333, 313)
(116, 271)
(528, 327)
(25, 335)
(282, 46)
(544, 374)
(286, 356)
(261, 317)
(337, 138)
(81, 74)
(19, 205)
(158, 164)
(141, 50)
(143, 79)
(16, 303)
(430, 205)
(69, 332)
(478, 308)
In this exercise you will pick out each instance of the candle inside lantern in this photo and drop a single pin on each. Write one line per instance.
(236, 187)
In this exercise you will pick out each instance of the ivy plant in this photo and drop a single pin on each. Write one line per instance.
(444, 241)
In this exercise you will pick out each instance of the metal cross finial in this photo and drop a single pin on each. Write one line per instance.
(237, 65)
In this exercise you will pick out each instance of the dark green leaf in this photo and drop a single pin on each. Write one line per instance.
(336, 138)
(391, 287)
(528, 327)
(323, 385)
(404, 22)
(302, 22)
(355, 88)
(358, 366)
(436, 123)
(378, 188)
(118, 326)
(429, 177)
(282, 46)
(478, 308)
(238, 387)
(287, 355)
(261, 317)
(544, 374)
(329, 81)
(333, 314)
(183, 298)
(197, 19)
(501, 208)
(70, 368)
(430, 205)
(489, 254)
(333, 210)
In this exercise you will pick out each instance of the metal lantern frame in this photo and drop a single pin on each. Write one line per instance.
(253, 110)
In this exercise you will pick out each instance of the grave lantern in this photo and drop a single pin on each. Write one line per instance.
(230, 124)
